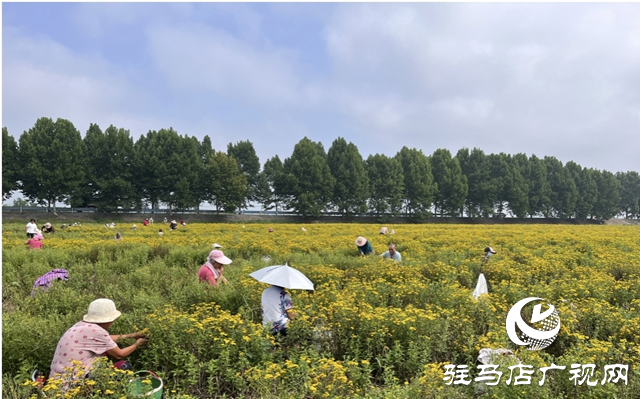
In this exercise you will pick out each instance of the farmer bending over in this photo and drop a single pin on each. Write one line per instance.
(89, 339)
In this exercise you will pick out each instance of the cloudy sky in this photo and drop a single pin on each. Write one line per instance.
(544, 79)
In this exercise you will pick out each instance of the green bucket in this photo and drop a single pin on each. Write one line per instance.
(139, 389)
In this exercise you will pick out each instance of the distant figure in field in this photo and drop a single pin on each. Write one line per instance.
(364, 246)
(270, 230)
(212, 270)
(145, 222)
(183, 223)
(31, 228)
(35, 242)
(118, 236)
(134, 227)
(488, 251)
(150, 220)
(215, 245)
(164, 221)
(173, 225)
(48, 228)
(160, 232)
(384, 230)
(392, 253)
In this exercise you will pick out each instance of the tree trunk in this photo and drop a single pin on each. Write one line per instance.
(170, 208)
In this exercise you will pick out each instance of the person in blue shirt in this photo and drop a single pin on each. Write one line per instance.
(488, 251)
(392, 253)
(364, 246)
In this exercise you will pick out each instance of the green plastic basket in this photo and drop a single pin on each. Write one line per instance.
(138, 389)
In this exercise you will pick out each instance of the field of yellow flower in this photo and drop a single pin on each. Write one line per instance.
(372, 328)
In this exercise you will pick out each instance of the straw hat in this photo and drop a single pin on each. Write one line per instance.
(101, 311)
(360, 241)
(47, 225)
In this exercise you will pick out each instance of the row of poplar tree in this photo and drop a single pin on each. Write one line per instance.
(52, 162)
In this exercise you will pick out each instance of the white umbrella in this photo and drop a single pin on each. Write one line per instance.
(283, 276)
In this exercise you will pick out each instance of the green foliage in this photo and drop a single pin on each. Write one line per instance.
(308, 178)
(10, 164)
(386, 182)
(539, 188)
(351, 188)
(587, 189)
(110, 167)
(419, 187)
(483, 179)
(452, 184)
(167, 168)
(607, 205)
(53, 161)
(629, 193)
(274, 172)
(563, 189)
(249, 163)
(227, 184)
(518, 192)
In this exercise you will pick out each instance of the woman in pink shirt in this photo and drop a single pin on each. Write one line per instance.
(35, 242)
(89, 339)
(211, 271)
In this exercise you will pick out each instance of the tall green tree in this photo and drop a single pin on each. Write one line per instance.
(587, 189)
(452, 184)
(539, 188)
(386, 183)
(564, 193)
(483, 188)
(608, 202)
(227, 183)
(419, 187)
(629, 194)
(275, 175)
(199, 189)
(54, 160)
(351, 188)
(249, 163)
(308, 178)
(167, 168)
(518, 196)
(264, 195)
(110, 167)
(500, 183)
(10, 165)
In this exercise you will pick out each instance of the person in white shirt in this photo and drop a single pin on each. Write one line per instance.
(277, 310)
(31, 228)
(392, 253)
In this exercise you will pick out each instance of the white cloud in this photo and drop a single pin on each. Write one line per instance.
(196, 58)
(42, 78)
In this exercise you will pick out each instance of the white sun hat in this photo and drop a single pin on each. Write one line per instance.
(101, 311)
(216, 245)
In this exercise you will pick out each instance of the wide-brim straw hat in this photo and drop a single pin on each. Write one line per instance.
(47, 225)
(101, 311)
(360, 241)
(216, 245)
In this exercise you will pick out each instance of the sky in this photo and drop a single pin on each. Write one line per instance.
(557, 79)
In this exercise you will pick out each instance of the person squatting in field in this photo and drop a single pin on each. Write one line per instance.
(89, 339)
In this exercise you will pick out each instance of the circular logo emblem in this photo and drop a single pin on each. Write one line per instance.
(544, 326)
